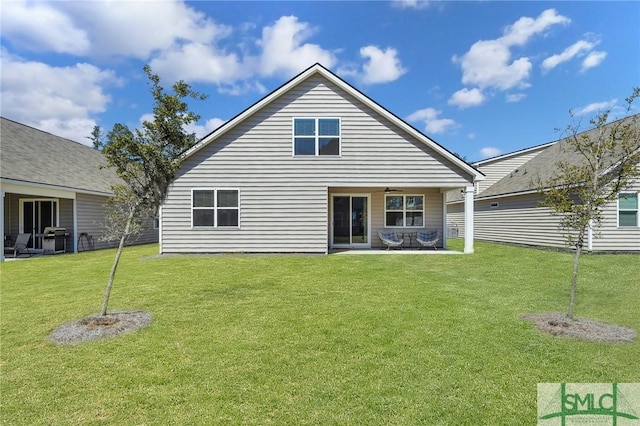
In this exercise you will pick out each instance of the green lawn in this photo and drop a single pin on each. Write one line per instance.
(375, 339)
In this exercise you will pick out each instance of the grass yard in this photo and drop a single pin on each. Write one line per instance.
(375, 339)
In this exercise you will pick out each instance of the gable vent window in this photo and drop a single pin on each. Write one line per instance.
(316, 136)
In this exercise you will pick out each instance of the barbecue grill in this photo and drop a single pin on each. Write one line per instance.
(54, 240)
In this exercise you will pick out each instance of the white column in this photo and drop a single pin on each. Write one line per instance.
(468, 219)
(160, 229)
(75, 224)
(590, 236)
(444, 220)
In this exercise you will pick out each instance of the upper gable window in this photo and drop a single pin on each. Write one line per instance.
(316, 136)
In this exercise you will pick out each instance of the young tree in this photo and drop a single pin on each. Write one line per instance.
(97, 138)
(608, 161)
(146, 160)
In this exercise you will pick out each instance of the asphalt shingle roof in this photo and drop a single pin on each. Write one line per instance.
(31, 155)
(542, 165)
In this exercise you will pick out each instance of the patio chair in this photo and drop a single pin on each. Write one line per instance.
(390, 238)
(428, 238)
(21, 245)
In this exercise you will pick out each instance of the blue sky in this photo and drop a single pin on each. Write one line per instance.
(481, 78)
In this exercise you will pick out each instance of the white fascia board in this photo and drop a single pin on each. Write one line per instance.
(512, 154)
(32, 188)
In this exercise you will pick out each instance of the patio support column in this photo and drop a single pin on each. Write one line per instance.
(444, 221)
(75, 225)
(468, 219)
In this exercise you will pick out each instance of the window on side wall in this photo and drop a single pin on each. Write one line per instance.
(215, 208)
(628, 210)
(316, 136)
(404, 211)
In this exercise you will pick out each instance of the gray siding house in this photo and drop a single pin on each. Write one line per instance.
(508, 209)
(313, 166)
(46, 180)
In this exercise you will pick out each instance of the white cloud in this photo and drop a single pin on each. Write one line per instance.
(59, 100)
(284, 51)
(197, 62)
(489, 151)
(433, 124)
(411, 4)
(380, 66)
(515, 97)
(593, 59)
(595, 107)
(208, 127)
(38, 26)
(577, 49)
(465, 98)
(127, 28)
(488, 63)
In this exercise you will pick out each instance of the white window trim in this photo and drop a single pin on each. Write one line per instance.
(637, 209)
(215, 208)
(317, 136)
(404, 211)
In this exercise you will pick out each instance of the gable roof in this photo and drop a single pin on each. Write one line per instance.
(32, 156)
(318, 69)
(543, 165)
(508, 155)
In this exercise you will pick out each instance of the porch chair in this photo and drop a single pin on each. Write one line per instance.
(21, 245)
(428, 238)
(390, 238)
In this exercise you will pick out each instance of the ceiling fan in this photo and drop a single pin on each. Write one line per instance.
(388, 190)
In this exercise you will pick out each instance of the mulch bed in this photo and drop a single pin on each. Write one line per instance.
(98, 327)
(558, 324)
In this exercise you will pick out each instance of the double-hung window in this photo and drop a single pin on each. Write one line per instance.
(404, 211)
(215, 207)
(316, 136)
(628, 209)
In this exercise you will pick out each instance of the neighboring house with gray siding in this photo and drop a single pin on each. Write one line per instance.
(508, 210)
(313, 166)
(47, 180)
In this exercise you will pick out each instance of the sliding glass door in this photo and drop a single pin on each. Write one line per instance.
(350, 219)
(37, 215)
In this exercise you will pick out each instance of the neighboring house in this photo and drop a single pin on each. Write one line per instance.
(46, 180)
(508, 209)
(315, 165)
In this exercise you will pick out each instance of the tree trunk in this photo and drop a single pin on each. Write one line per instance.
(125, 235)
(574, 280)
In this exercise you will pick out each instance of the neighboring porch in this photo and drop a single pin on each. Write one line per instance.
(33, 212)
(31, 209)
(357, 214)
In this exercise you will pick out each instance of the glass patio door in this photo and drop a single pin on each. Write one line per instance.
(37, 215)
(350, 218)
